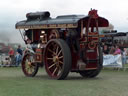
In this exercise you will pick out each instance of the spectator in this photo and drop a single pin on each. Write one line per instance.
(105, 49)
(18, 59)
(112, 50)
(19, 50)
(124, 53)
(11, 55)
(117, 51)
(18, 55)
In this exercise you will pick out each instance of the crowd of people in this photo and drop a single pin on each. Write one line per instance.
(15, 57)
(115, 50)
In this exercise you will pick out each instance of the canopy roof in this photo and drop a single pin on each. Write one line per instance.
(64, 21)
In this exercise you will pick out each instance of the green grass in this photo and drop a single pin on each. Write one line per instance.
(126, 65)
(107, 83)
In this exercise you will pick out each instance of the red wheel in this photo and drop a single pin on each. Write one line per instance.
(57, 59)
(29, 67)
(94, 73)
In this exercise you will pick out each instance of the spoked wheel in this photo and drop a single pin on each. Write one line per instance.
(94, 73)
(29, 67)
(57, 59)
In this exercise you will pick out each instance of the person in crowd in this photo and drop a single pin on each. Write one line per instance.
(124, 54)
(117, 51)
(112, 50)
(19, 54)
(11, 55)
(105, 50)
(19, 50)
(18, 59)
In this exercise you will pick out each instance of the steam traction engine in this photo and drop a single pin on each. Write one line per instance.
(68, 43)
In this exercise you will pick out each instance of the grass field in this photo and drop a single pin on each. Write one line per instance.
(107, 83)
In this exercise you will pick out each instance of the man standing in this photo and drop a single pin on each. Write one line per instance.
(19, 50)
(19, 55)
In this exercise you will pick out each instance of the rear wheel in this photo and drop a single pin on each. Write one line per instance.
(29, 67)
(57, 59)
(94, 73)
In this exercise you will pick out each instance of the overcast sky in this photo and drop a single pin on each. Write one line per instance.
(11, 11)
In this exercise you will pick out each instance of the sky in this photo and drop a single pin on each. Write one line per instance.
(12, 11)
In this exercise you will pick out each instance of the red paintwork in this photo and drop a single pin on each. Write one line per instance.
(75, 58)
(93, 13)
(36, 35)
(91, 56)
(39, 55)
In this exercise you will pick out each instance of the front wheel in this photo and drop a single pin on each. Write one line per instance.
(57, 59)
(29, 67)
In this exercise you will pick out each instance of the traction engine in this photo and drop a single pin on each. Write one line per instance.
(67, 43)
